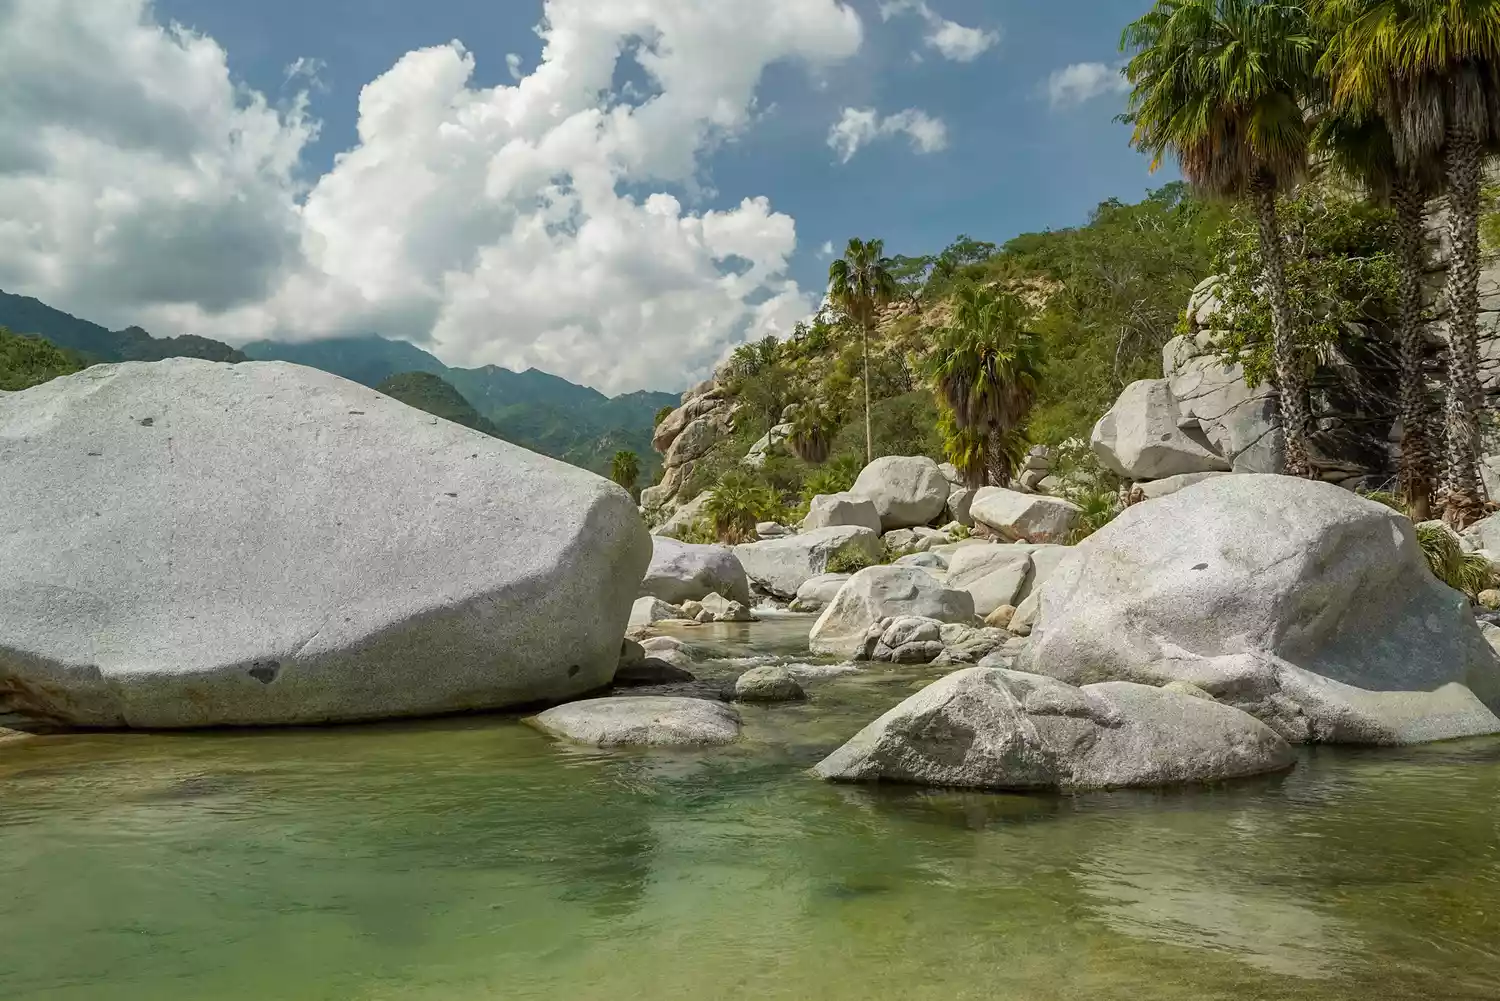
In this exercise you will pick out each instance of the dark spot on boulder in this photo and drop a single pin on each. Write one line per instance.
(147, 421)
(96, 453)
(264, 671)
(1167, 436)
(1201, 566)
(357, 413)
(451, 495)
(573, 671)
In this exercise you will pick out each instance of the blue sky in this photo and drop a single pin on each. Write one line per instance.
(501, 213)
(1014, 163)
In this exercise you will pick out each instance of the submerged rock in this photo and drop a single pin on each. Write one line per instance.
(642, 721)
(189, 543)
(987, 728)
(651, 671)
(1307, 605)
(767, 684)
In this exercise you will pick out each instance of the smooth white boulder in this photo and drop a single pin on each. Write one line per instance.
(647, 610)
(1240, 422)
(1140, 438)
(781, 566)
(686, 516)
(1306, 604)
(907, 490)
(884, 592)
(960, 500)
(189, 543)
(681, 571)
(818, 591)
(1024, 517)
(770, 683)
(991, 728)
(1171, 484)
(993, 575)
(831, 510)
(642, 721)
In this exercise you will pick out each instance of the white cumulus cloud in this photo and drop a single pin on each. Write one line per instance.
(952, 40)
(1080, 82)
(858, 127)
(507, 225)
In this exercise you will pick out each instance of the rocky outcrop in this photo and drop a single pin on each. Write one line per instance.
(990, 728)
(884, 592)
(772, 442)
(686, 516)
(906, 490)
(680, 571)
(831, 510)
(189, 543)
(779, 567)
(1306, 605)
(683, 437)
(1024, 517)
(642, 721)
(1139, 438)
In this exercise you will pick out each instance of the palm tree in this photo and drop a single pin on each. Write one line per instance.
(813, 428)
(859, 285)
(1359, 142)
(1430, 67)
(625, 469)
(1221, 84)
(984, 372)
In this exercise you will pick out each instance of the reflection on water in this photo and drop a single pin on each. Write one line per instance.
(475, 859)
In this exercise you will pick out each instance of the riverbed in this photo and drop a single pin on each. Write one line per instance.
(473, 858)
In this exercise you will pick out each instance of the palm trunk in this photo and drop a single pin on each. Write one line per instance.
(1418, 463)
(864, 343)
(1465, 491)
(1291, 385)
(996, 466)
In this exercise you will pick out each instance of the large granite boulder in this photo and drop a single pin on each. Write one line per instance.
(686, 516)
(993, 575)
(1024, 517)
(1304, 603)
(680, 571)
(781, 566)
(884, 592)
(642, 721)
(817, 592)
(696, 439)
(188, 543)
(1239, 421)
(832, 510)
(1139, 438)
(772, 441)
(907, 490)
(990, 728)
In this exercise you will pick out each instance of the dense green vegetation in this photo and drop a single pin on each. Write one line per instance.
(98, 344)
(429, 392)
(31, 361)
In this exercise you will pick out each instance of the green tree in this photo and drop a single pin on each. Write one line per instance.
(1359, 142)
(1430, 67)
(813, 429)
(738, 503)
(1221, 84)
(860, 284)
(984, 372)
(31, 361)
(625, 469)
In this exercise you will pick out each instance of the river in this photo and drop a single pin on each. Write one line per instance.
(473, 858)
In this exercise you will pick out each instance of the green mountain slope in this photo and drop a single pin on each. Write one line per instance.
(31, 361)
(25, 315)
(429, 392)
(536, 410)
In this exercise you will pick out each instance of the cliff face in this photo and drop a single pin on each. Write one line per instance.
(684, 436)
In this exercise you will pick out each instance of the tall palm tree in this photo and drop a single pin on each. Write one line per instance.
(859, 285)
(813, 428)
(1359, 143)
(1221, 84)
(625, 469)
(1432, 68)
(984, 372)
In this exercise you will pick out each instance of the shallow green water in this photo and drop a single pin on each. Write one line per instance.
(475, 859)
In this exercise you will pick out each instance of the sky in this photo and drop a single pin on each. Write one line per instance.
(615, 191)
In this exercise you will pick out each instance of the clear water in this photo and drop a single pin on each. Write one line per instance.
(474, 858)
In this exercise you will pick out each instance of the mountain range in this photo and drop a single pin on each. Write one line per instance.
(534, 409)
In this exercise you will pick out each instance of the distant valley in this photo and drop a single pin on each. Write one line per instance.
(542, 412)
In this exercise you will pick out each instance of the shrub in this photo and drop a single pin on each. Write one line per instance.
(1466, 572)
